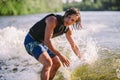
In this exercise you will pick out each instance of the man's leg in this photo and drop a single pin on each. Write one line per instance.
(55, 67)
(47, 64)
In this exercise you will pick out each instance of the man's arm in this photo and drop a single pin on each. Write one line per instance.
(50, 25)
(75, 48)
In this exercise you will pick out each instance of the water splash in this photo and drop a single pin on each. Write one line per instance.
(14, 60)
(10, 40)
(12, 49)
(87, 46)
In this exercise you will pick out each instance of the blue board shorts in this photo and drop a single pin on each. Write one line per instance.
(35, 48)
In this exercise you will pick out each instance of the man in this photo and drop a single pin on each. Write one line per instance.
(38, 41)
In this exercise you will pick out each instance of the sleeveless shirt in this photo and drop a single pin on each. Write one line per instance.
(37, 31)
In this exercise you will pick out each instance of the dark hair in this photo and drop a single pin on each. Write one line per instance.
(76, 12)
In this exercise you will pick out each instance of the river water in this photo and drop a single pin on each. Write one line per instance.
(101, 30)
(105, 26)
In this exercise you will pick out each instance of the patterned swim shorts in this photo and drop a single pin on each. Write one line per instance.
(35, 48)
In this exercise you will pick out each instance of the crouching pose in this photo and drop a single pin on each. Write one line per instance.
(39, 45)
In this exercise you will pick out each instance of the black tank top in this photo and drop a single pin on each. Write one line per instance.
(38, 30)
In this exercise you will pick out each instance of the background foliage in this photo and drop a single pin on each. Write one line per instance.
(18, 7)
(95, 5)
(21, 7)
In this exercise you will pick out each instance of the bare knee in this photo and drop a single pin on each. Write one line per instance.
(56, 63)
(48, 64)
(45, 59)
(55, 67)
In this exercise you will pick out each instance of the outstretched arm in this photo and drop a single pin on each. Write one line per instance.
(73, 44)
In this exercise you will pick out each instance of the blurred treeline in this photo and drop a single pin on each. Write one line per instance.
(95, 5)
(21, 7)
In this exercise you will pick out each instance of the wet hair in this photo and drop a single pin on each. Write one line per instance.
(76, 12)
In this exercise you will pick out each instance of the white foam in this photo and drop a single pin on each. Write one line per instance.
(11, 40)
(12, 50)
(14, 56)
(87, 46)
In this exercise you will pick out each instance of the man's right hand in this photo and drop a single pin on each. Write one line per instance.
(64, 60)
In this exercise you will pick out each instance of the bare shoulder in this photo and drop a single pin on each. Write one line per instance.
(51, 20)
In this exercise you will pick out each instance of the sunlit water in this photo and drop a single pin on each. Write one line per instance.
(101, 30)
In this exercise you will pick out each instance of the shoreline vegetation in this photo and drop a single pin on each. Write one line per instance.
(24, 7)
(94, 5)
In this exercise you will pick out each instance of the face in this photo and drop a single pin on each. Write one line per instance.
(70, 19)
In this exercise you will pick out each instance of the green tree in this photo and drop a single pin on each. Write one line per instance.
(94, 5)
(18, 7)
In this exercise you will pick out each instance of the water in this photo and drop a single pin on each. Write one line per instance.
(104, 26)
(101, 31)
